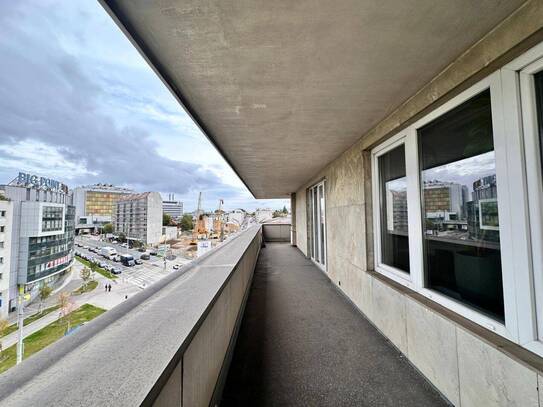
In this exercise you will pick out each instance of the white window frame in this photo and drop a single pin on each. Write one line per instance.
(314, 224)
(519, 94)
(393, 273)
(416, 277)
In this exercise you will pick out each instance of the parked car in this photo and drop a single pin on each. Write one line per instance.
(85, 247)
(141, 249)
(138, 261)
(153, 252)
(176, 267)
(145, 256)
(116, 270)
(124, 245)
(116, 259)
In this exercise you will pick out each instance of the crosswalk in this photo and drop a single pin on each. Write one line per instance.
(142, 276)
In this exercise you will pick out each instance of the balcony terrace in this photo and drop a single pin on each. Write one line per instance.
(301, 342)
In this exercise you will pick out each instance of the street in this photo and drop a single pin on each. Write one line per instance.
(140, 275)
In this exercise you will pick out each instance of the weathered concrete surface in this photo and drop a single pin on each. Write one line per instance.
(283, 88)
(301, 343)
(116, 359)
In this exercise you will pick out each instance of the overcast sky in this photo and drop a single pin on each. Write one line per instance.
(79, 104)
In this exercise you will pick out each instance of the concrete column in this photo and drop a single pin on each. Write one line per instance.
(293, 219)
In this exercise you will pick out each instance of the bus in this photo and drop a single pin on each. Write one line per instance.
(108, 252)
(127, 260)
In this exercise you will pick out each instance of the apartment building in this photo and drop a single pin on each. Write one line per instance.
(139, 217)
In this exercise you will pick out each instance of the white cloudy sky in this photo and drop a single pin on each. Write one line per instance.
(79, 104)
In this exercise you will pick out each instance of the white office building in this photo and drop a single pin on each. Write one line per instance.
(172, 207)
(95, 204)
(139, 217)
(36, 236)
(237, 216)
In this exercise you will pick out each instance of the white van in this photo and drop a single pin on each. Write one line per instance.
(108, 252)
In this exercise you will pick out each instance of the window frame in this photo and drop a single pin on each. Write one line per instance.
(394, 273)
(521, 110)
(416, 279)
(313, 189)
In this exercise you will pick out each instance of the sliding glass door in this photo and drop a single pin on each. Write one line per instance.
(317, 223)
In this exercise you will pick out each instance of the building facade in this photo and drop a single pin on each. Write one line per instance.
(139, 217)
(172, 207)
(236, 216)
(263, 215)
(95, 204)
(37, 229)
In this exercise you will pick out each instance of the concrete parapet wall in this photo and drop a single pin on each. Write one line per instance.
(276, 232)
(168, 345)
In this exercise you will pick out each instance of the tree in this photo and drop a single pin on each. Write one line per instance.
(66, 306)
(285, 211)
(86, 275)
(186, 222)
(107, 228)
(4, 323)
(44, 293)
(166, 220)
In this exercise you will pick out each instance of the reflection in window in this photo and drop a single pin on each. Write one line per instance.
(460, 208)
(393, 191)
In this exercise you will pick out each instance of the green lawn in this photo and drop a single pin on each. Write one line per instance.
(99, 270)
(48, 335)
(91, 285)
(30, 319)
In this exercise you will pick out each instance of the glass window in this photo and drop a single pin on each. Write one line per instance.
(393, 209)
(317, 223)
(460, 209)
(538, 81)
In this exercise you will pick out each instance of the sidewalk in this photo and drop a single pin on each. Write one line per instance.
(98, 297)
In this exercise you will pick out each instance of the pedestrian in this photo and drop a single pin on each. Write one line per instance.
(105, 287)
(126, 297)
(109, 289)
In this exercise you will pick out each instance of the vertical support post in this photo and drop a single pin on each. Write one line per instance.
(20, 322)
(293, 219)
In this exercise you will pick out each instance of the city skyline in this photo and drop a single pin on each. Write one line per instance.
(83, 107)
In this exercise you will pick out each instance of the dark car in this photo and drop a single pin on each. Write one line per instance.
(141, 249)
(116, 270)
(145, 256)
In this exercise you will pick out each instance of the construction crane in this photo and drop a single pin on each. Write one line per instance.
(199, 231)
(218, 230)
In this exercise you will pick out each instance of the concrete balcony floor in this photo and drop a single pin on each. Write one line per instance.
(302, 343)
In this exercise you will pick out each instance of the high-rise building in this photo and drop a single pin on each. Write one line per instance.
(172, 207)
(139, 217)
(95, 204)
(36, 236)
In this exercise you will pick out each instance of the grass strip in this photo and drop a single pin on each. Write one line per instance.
(96, 268)
(28, 320)
(91, 285)
(48, 335)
